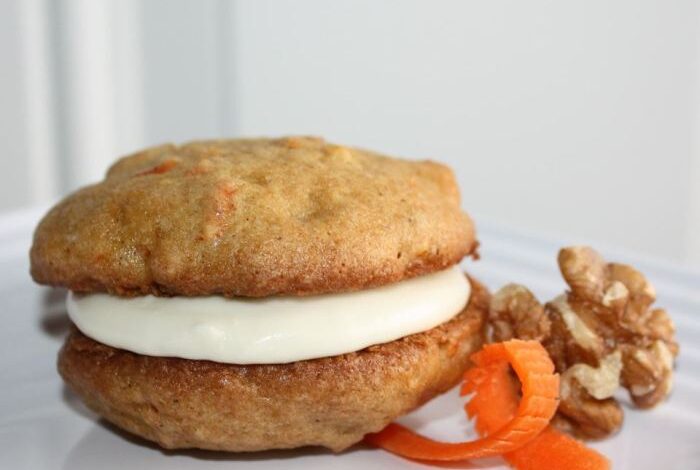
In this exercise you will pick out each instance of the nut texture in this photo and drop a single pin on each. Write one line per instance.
(602, 333)
(515, 313)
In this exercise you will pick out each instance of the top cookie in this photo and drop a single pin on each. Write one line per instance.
(253, 217)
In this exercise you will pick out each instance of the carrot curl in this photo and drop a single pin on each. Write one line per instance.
(519, 422)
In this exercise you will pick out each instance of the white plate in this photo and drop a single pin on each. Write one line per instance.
(42, 425)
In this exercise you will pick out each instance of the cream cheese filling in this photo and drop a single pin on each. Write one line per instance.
(271, 330)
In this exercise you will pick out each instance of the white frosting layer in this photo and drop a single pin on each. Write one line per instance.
(274, 329)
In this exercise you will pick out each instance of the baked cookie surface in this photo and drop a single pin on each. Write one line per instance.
(331, 402)
(253, 217)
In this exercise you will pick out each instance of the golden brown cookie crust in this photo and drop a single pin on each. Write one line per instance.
(261, 217)
(331, 402)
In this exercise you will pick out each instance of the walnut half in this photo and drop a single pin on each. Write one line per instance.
(601, 334)
(515, 313)
(587, 401)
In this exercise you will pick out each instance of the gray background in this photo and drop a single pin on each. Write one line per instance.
(575, 119)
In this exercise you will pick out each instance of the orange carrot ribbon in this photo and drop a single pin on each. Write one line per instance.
(515, 428)
(494, 403)
(540, 389)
